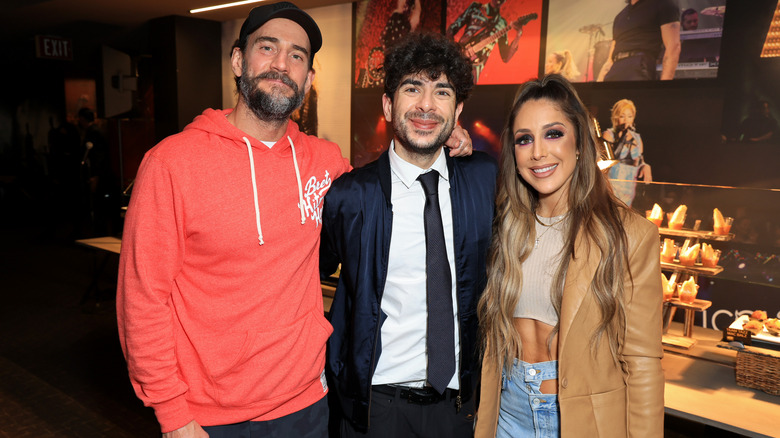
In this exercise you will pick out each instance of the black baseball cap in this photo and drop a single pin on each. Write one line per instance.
(262, 14)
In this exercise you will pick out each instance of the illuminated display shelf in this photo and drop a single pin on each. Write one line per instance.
(680, 273)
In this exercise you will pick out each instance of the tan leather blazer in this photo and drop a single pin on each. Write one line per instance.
(597, 397)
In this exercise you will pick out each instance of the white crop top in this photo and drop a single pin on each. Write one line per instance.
(538, 271)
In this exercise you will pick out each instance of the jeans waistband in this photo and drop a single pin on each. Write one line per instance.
(535, 372)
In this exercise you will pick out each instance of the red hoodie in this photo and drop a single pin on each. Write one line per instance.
(216, 326)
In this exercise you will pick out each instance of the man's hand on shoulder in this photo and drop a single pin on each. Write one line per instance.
(459, 143)
(190, 430)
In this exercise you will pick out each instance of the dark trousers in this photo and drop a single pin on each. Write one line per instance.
(311, 422)
(394, 417)
(639, 67)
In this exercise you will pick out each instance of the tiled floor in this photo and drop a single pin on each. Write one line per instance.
(62, 373)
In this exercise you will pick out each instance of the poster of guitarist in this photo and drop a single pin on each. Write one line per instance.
(480, 27)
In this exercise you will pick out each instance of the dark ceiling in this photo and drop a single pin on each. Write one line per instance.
(30, 17)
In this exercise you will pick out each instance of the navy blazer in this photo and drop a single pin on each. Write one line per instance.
(357, 223)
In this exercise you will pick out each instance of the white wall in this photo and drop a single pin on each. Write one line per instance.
(333, 65)
(230, 30)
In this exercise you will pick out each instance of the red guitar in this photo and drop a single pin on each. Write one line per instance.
(475, 48)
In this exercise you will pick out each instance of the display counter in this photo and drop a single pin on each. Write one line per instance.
(744, 277)
(701, 387)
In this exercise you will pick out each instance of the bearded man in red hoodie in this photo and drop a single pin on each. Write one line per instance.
(219, 303)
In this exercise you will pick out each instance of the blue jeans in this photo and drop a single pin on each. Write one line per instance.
(524, 410)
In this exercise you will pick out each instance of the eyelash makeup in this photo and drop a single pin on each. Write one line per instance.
(554, 133)
(523, 140)
(526, 139)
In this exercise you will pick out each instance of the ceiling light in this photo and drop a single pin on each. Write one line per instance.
(224, 5)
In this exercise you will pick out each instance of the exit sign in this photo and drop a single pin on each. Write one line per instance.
(52, 47)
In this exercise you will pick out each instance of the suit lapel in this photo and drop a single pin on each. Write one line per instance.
(385, 180)
(578, 278)
(460, 215)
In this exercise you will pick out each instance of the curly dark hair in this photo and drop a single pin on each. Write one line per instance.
(431, 54)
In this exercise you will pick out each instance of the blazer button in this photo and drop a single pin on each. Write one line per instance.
(564, 382)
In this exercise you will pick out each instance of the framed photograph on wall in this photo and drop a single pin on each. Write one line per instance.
(371, 133)
(501, 37)
(580, 34)
(378, 23)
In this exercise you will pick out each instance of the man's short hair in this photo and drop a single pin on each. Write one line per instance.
(687, 12)
(431, 54)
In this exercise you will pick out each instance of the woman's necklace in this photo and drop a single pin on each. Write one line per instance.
(547, 227)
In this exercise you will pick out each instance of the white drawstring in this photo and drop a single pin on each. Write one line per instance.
(254, 190)
(300, 186)
(254, 187)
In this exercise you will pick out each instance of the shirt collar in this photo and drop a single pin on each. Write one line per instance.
(408, 172)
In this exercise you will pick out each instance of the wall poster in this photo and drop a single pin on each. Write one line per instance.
(580, 33)
(501, 37)
(380, 22)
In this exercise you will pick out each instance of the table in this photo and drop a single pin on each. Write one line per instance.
(701, 386)
(109, 244)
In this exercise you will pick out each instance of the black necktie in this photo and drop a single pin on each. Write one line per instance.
(441, 330)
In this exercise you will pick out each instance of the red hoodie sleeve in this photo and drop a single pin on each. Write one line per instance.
(151, 257)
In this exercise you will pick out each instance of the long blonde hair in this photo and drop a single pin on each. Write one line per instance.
(594, 212)
(568, 67)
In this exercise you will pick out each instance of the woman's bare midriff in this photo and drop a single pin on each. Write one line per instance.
(534, 336)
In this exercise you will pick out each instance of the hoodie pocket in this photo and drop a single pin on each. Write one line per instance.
(262, 366)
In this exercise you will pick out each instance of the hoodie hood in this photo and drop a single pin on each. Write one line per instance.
(215, 122)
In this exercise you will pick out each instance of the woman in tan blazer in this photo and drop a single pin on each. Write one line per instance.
(571, 316)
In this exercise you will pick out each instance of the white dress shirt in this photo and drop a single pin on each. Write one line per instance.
(403, 360)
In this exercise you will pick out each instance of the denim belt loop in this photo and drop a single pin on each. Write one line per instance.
(536, 372)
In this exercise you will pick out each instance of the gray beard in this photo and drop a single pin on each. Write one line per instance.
(267, 106)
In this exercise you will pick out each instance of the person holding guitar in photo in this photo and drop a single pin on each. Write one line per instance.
(484, 27)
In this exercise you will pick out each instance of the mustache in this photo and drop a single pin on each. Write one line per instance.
(278, 77)
(424, 116)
